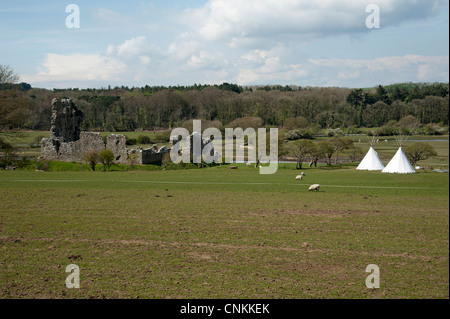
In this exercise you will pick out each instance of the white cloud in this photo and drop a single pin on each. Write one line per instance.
(258, 42)
(77, 67)
(240, 23)
(383, 70)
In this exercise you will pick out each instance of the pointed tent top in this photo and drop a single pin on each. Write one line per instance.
(372, 139)
(399, 164)
(400, 139)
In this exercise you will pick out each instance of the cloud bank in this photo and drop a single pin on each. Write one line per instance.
(256, 42)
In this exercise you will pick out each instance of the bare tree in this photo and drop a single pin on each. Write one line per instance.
(14, 106)
(7, 75)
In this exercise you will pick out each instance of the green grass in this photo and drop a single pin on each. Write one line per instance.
(221, 233)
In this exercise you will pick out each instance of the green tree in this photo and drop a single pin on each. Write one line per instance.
(315, 154)
(355, 97)
(91, 158)
(300, 149)
(339, 144)
(355, 153)
(106, 157)
(419, 151)
(326, 149)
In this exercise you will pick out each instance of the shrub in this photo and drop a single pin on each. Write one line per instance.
(298, 135)
(162, 137)
(335, 132)
(143, 139)
(131, 141)
(106, 157)
(431, 129)
(386, 130)
(43, 166)
(91, 158)
(24, 162)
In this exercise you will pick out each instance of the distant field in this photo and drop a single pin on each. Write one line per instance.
(221, 233)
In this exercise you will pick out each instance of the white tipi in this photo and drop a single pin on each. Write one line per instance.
(399, 164)
(371, 162)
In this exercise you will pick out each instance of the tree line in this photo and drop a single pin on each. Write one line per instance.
(289, 107)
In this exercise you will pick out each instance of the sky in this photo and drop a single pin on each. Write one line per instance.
(130, 43)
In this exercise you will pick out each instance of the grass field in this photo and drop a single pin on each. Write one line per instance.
(221, 233)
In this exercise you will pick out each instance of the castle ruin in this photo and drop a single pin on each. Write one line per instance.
(68, 144)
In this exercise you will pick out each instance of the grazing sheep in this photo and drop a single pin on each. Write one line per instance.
(298, 177)
(249, 164)
(314, 187)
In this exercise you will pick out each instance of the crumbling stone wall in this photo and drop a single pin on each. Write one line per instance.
(68, 144)
(53, 149)
(117, 143)
(65, 121)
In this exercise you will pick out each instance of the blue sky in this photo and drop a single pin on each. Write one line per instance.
(252, 42)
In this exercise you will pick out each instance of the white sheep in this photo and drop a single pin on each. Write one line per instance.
(314, 187)
(249, 164)
(298, 177)
(303, 174)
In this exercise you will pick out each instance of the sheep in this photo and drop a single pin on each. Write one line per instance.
(303, 174)
(249, 164)
(314, 187)
(298, 177)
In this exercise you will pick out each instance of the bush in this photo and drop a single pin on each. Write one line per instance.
(386, 130)
(315, 128)
(106, 157)
(24, 162)
(162, 137)
(91, 158)
(43, 166)
(431, 129)
(298, 135)
(143, 139)
(131, 141)
(335, 132)
(353, 130)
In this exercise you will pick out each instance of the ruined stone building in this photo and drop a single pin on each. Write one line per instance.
(68, 144)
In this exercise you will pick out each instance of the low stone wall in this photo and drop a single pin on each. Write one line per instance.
(55, 150)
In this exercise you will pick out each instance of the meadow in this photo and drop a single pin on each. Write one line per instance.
(221, 233)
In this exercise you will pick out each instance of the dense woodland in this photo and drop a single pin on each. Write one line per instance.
(290, 107)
